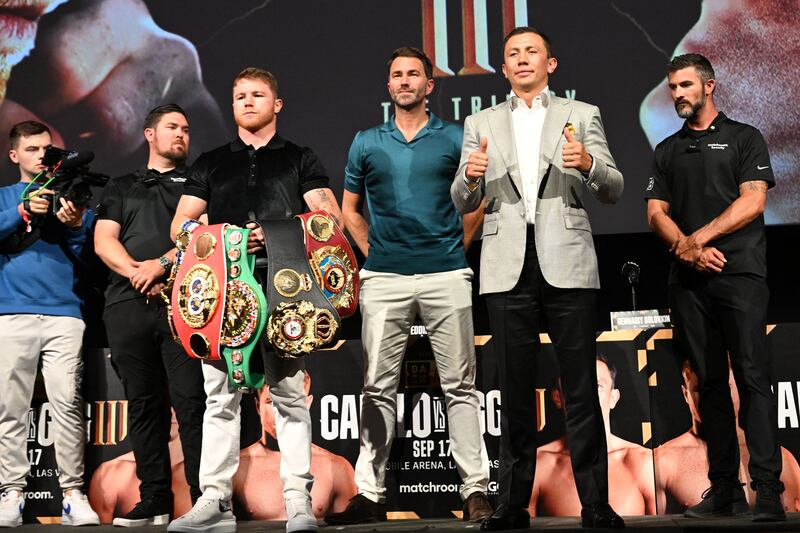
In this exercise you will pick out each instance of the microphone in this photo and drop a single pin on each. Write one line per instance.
(630, 271)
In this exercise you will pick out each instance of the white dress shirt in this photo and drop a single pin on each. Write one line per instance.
(528, 123)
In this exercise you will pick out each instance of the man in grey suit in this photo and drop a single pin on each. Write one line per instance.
(531, 158)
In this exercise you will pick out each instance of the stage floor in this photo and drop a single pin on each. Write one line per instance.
(650, 524)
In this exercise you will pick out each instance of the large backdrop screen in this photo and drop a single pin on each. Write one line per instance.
(93, 68)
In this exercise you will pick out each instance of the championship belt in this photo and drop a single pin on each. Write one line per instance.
(198, 295)
(301, 318)
(332, 261)
(245, 314)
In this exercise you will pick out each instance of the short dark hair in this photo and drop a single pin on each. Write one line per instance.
(700, 63)
(155, 114)
(410, 51)
(612, 370)
(256, 73)
(519, 30)
(26, 129)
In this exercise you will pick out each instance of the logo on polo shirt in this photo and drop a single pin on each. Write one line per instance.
(759, 167)
(178, 179)
(651, 184)
(717, 146)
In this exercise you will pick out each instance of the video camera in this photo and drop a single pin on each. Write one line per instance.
(72, 179)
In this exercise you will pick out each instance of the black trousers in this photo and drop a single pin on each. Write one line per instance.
(570, 317)
(156, 372)
(716, 316)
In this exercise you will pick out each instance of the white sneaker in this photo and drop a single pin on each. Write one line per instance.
(209, 516)
(300, 516)
(76, 510)
(11, 505)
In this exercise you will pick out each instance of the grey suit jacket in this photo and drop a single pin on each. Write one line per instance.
(563, 233)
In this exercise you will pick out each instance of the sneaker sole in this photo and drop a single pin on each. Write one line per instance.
(223, 526)
(158, 520)
(12, 524)
(67, 521)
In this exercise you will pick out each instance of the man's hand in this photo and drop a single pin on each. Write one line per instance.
(69, 215)
(40, 205)
(147, 274)
(255, 241)
(710, 260)
(574, 153)
(478, 161)
(155, 290)
(688, 250)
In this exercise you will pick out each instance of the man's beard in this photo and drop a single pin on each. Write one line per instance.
(408, 105)
(178, 157)
(691, 111)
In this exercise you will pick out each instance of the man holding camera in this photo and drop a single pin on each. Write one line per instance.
(40, 315)
(132, 238)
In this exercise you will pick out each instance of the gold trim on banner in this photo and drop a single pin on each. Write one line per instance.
(647, 433)
(641, 359)
(661, 334)
(620, 335)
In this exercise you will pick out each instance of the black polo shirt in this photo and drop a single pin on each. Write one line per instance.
(240, 182)
(143, 204)
(699, 173)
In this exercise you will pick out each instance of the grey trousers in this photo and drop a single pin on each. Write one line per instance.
(57, 340)
(389, 303)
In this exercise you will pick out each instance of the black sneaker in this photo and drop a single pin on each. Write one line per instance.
(360, 510)
(769, 507)
(721, 499)
(144, 513)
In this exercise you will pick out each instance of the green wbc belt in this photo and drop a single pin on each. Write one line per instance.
(245, 314)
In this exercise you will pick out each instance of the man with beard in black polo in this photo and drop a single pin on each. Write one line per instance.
(132, 238)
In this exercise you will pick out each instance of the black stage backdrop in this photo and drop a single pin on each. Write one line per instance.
(97, 66)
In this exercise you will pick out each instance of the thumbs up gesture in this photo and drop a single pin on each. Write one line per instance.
(574, 153)
(478, 161)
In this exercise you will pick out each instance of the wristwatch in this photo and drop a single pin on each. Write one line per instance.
(165, 263)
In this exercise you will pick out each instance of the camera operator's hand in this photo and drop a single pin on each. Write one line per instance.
(40, 205)
(70, 215)
(148, 273)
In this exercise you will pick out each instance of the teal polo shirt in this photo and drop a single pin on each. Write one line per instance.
(414, 226)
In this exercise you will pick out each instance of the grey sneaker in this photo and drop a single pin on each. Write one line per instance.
(300, 516)
(207, 516)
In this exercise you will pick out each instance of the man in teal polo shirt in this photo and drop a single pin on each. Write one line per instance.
(415, 265)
